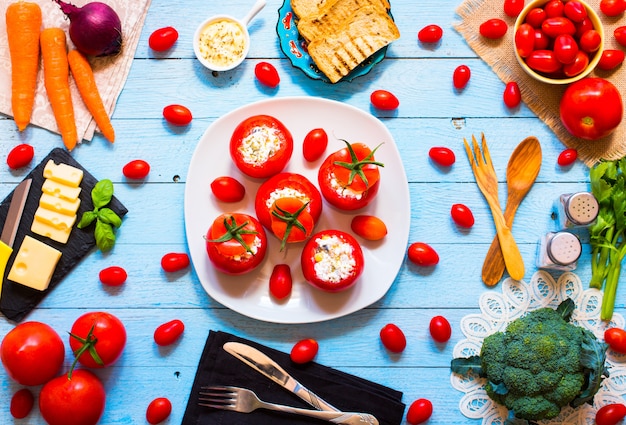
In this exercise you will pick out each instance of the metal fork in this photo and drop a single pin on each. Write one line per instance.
(488, 184)
(245, 401)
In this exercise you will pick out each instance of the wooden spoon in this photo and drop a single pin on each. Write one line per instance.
(521, 172)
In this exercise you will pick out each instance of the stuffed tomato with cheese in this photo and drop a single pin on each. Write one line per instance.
(349, 178)
(261, 146)
(332, 260)
(288, 205)
(236, 243)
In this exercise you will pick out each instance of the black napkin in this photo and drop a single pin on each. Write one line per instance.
(344, 391)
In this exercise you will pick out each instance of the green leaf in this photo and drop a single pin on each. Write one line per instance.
(107, 215)
(102, 193)
(467, 365)
(592, 358)
(566, 308)
(105, 238)
(87, 218)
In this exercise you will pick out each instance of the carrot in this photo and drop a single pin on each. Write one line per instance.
(56, 78)
(23, 23)
(86, 83)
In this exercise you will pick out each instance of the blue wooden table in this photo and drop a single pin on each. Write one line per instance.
(431, 113)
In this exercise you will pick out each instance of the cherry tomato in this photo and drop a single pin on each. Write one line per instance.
(567, 157)
(440, 329)
(20, 156)
(169, 332)
(616, 338)
(22, 403)
(513, 8)
(113, 276)
(565, 48)
(493, 28)
(512, 96)
(281, 282)
(575, 11)
(610, 414)
(620, 35)
(430, 34)
(393, 338)
(385, 100)
(554, 8)
(177, 114)
(32, 353)
(461, 76)
(542, 41)
(158, 410)
(97, 339)
(543, 61)
(462, 215)
(581, 61)
(423, 254)
(525, 40)
(314, 145)
(558, 25)
(267, 74)
(535, 17)
(136, 169)
(590, 41)
(174, 261)
(163, 39)
(228, 189)
(419, 411)
(368, 227)
(442, 156)
(304, 351)
(612, 7)
(610, 59)
(261, 162)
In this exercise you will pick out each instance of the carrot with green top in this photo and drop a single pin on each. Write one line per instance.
(56, 78)
(23, 23)
(86, 83)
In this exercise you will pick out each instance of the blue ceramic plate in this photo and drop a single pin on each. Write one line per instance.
(294, 47)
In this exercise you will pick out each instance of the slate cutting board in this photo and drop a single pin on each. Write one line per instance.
(18, 300)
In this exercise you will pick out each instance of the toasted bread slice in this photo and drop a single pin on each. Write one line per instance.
(367, 31)
(309, 8)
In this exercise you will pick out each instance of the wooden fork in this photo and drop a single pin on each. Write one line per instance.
(488, 184)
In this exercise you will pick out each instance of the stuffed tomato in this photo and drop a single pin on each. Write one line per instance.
(349, 178)
(288, 205)
(261, 146)
(332, 260)
(236, 243)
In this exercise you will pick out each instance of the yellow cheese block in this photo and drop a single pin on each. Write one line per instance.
(34, 264)
(63, 173)
(44, 229)
(55, 219)
(58, 204)
(61, 190)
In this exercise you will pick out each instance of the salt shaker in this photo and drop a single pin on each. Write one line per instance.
(559, 251)
(576, 210)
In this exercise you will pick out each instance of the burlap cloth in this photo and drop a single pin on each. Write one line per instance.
(543, 99)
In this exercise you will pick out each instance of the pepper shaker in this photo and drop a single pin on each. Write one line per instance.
(559, 251)
(576, 210)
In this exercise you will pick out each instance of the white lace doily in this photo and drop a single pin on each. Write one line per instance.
(517, 298)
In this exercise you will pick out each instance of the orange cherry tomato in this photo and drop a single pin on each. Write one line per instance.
(368, 227)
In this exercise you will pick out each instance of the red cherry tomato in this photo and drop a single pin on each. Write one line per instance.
(163, 39)
(590, 41)
(136, 169)
(169, 332)
(99, 337)
(158, 410)
(554, 8)
(535, 17)
(442, 156)
(22, 403)
(513, 8)
(228, 189)
(575, 11)
(542, 41)
(581, 61)
(610, 59)
(610, 414)
(304, 351)
(612, 7)
(267, 74)
(177, 114)
(314, 145)
(423, 254)
(281, 282)
(512, 96)
(616, 338)
(20, 156)
(382, 99)
(419, 411)
(393, 338)
(567, 157)
(430, 34)
(543, 61)
(620, 35)
(440, 329)
(113, 276)
(565, 48)
(368, 227)
(462, 215)
(493, 28)
(525, 40)
(174, 261)
(558, 25)
(461, 76)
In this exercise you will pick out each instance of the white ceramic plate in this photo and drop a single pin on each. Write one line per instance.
(248, 294)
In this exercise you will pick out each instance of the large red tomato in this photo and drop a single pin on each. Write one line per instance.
(236, 243)
(97, 339)
(261, 146)
(32, 353)
(591, 108)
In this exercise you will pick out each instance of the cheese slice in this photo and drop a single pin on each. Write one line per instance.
(34, 264)
(63, 173)
(61, 190)
(60, 235)
(58, 204)
(55, 219)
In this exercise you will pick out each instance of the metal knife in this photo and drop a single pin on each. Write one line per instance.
(11, 224)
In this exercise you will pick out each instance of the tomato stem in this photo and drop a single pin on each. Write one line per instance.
(291, 219)
(88, 344)
(234, 231)
(356, 165)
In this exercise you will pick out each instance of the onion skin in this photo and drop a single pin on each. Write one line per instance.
(95, 28)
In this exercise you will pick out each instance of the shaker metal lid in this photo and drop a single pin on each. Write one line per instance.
(564, 248)
(582, 208)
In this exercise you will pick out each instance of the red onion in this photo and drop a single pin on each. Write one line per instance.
(95, 28)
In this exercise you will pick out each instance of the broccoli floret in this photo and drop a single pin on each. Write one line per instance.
(539, 364)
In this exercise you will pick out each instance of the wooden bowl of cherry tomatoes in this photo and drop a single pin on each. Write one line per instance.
(558, 41)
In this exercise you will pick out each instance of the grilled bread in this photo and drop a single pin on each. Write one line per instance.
(308, 8)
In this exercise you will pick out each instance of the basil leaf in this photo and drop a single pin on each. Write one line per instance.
(102, 193)
(87, 218)
(107, 215)
(105, 238)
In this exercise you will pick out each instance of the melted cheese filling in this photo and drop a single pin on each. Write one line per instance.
(343, 191)
(260, 145)
(334, 260)
(247, 255)
(222, 42)
(285, 192)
